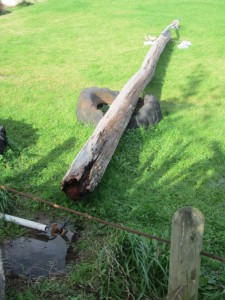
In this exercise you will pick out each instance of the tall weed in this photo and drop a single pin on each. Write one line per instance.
(133, 267)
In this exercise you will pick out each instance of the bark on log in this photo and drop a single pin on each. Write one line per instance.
(91, 162)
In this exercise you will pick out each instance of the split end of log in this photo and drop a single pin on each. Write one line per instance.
(74, 189)
(77, 185)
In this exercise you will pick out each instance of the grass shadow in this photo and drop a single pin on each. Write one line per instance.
(37, 175)
(199, 185)
(25, 3)
(139, 191)
(125, 164)
(20, 135)
(193, 82)
(156, 84)
(40, 176)
(4, 12)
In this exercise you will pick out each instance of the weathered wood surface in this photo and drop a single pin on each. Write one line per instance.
(186, 246)
(91, 162)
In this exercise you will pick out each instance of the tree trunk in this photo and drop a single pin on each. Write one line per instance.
(91, 162)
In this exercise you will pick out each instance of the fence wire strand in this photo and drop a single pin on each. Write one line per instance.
(98, 220)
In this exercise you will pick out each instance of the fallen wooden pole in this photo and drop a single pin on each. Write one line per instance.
(91, 162)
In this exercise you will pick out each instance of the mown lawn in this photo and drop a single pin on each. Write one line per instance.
(51, 50)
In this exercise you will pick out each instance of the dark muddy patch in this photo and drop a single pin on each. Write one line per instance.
(39, 254)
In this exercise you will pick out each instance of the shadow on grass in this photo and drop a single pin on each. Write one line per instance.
(146, 193)
(25, 3)
(50, 184)
(156, 85)
(4, 12)
(131, 160)
(200, 184)
(148, 190)
(40, 177)
(20, 135)
(193, 82)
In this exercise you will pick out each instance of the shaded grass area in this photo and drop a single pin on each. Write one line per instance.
(50, 51)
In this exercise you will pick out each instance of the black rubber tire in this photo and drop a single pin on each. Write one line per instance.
(91, 99)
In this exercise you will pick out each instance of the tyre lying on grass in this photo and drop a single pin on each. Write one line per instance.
(92, 101)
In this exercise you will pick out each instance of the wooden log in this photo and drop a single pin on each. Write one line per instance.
(90, 164)
(186, 246)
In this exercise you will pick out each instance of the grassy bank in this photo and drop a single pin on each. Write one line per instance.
(51, 50)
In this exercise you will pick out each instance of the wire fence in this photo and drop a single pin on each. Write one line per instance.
(107, 223)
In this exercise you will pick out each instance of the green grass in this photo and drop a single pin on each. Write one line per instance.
(133, 267)
(50, 51)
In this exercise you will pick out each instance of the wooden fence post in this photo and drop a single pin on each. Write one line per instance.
(186, 245)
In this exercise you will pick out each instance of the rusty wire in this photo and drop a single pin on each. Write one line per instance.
(98, 220)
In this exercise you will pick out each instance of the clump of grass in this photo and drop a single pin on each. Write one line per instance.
(133, 267)
(7, 205)
(5, 202)
(212, 280)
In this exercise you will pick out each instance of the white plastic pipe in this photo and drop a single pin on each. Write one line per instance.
(24, 222)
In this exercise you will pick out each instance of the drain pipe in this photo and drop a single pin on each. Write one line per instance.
(24, 222)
